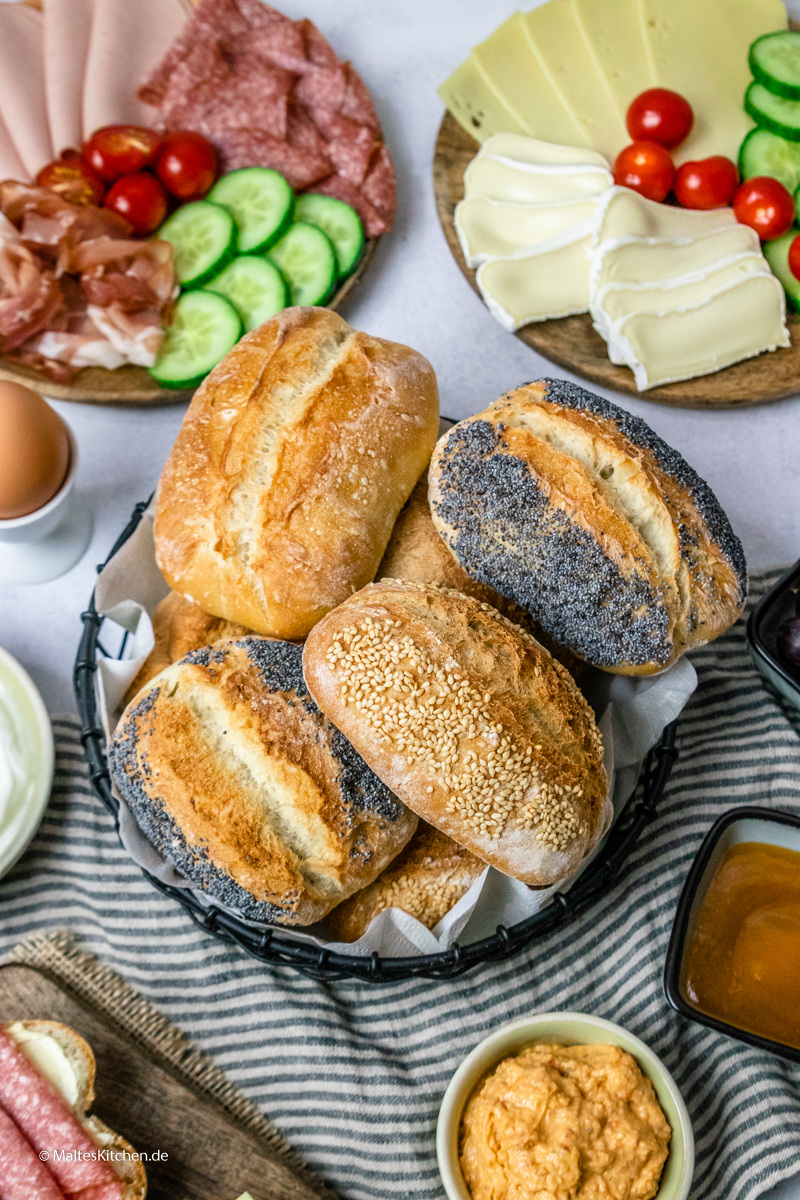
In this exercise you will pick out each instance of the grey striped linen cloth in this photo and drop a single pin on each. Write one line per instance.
(353, 1074)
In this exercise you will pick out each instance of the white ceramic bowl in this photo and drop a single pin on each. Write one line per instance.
(565, 1028)
(27, 738)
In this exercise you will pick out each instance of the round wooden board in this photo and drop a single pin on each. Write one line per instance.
(135, 385)
(573, 343)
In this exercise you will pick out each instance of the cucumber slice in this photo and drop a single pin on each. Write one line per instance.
(773, 112)
(777, 255)
(261, 202)
(341, 223)
(775, 62)
(255, 288)
(764, 153)
(307, 260)
(203, 240)
(205, 327)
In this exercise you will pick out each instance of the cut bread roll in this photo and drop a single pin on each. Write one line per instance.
(426, 879)
(417, 553)
(579, 513)
(469, 720)
(294, 459)
(236, 777)
(180, 626)
(64, 1061)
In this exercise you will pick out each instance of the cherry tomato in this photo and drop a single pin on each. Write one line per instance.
(794, 257)
(187, 165)
(117, 150)
(141, 199)
(764, 205)
(709, 183)
(72, 179)
(645, 167)
(659, 115)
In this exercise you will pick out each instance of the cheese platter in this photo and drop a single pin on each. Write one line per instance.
(662, 286)
(229, 165)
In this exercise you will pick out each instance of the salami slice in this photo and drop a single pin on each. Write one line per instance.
(22, 1175)
(50, 1125)
(252, 148)
(380, 187)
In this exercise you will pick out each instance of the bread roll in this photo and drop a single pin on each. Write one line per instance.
(417, 553)
(232, 772)
(578, 512)
(468, 719)
(292, 463)
(426, 879)
(180, 626)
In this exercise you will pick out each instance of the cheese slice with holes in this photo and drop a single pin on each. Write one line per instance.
(745, 320)
(518, 182)
(475, 104)
(616, 40)
(551, 281)
(489, 228)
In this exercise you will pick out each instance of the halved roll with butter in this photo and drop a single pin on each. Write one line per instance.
(233, 773)
(578, 512)
(469, 720)
(49, 1147)
(292, 463)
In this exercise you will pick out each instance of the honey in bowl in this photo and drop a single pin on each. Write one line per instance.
(742, 964)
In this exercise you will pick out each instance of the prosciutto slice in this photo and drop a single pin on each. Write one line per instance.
(127, 39)
(22, 1175)
(22, 97)
(49, 1124)
(67, 28)
(30, 298)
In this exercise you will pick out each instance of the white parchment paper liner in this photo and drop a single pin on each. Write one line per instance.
(632, 715)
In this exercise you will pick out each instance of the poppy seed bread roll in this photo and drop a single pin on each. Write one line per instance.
(294, 458)
(578, 512)
(469, 720)
(236, 777)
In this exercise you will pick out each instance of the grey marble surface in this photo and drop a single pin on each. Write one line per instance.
(414, 293)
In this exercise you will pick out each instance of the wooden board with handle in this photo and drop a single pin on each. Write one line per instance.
(209, 1156)
(573, 342)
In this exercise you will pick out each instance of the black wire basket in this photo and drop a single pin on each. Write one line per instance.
(271, 946)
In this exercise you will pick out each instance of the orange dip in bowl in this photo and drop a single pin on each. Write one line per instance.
(742, 962)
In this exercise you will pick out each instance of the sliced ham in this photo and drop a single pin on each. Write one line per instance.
(11, 165)
(22, 94)
(128, 38)
(22, 1175)
(49, 1124)
(67, 28)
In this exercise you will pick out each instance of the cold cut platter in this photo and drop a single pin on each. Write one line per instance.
(662, 268)
(174, 177)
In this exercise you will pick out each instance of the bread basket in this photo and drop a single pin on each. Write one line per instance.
(269, 945)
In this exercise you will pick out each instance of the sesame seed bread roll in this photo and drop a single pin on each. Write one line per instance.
(469, 720)
(417, 553)
(180, 626)
(578, 512)
(294, 458)
(236, 777)
(426, 879)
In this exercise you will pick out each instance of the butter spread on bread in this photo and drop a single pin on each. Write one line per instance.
(292, 463)
(578, 512)
(234, 774)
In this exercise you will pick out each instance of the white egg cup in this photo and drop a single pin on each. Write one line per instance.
(44, 544)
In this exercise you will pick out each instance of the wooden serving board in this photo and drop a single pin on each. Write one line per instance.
(210, 1157)
(573, 343)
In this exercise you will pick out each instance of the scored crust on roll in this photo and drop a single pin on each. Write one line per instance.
(294, 458)
(578, 512)
(469, 720)
(236, 777)
(426, 879)
(417, 553)
(180, 626)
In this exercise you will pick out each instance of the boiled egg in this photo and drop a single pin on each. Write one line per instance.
(34, 451)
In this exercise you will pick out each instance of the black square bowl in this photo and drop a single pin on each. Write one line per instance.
(768, 826)
(762, 628)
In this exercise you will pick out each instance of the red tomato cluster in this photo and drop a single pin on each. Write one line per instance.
(658, 121)
(134, 171)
